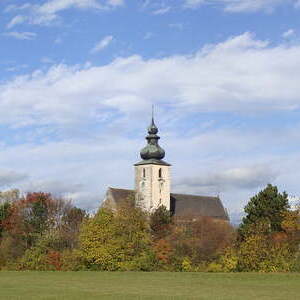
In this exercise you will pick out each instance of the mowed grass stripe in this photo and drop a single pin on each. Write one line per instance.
(139, 285)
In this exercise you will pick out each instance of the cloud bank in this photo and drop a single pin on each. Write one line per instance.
(242, 75)
(231, 179)
(10, 177)
(236, 6)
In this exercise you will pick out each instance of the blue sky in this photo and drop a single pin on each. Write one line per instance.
(78, 78)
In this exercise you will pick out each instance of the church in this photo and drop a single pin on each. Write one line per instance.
(153, 187)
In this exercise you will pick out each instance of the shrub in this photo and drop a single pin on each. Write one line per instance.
(215, 267)
(186, 265)
(72, 260)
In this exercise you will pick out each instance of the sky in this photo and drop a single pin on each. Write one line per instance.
(78, 79)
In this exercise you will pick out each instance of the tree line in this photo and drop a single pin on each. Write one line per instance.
(41, 232)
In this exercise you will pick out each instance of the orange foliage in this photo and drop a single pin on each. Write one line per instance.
(163, 251)
(54, 259)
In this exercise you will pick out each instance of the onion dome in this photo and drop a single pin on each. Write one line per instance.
(152, 150)
(152, 153)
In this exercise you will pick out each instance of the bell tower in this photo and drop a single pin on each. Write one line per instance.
(152, 174)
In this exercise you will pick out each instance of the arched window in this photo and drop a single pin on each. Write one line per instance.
(160, 173)
(144, 173)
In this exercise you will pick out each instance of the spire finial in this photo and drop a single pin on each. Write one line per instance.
(153, 112)
(152, 129)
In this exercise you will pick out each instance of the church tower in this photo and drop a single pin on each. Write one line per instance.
(152, 174)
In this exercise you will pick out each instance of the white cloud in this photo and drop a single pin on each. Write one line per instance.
(56, 187)
(242, 74)
(47, 12)
(102, 44)
(162, 10)
(248, 177)
(9, 177)
(21, 35)
(54, 6)
(13, 7)
(289, 33)
(116, 2)
(242, 5)
(194, 3)
(82, 168)
(16, 20)
(16, 68)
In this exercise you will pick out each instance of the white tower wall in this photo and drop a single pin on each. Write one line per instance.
(152, 184)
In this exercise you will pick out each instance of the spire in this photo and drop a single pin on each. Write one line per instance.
(152, 129)
(152, 112)
(152, 153)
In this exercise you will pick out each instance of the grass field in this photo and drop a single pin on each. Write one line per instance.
(98, 285)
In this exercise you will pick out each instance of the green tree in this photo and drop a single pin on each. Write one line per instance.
(160, 222)
(268, 206)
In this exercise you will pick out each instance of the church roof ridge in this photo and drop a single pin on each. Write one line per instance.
(172, 194)
(194, 195)
(113, 188)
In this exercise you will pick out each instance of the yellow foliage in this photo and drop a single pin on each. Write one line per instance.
(261, 253)
(116, 241)
(215, 267)
(186, 265)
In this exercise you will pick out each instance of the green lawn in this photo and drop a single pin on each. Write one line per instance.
(127, 285)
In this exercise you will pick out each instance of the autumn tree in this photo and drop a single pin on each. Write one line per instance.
(71, 222)
(117, 240)
(191, 243)
(7, 198)
(36, 225)
(10, 196)
(4, 214)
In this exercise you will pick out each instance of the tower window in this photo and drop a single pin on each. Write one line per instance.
(160, 173)
(144, 173)
(161, 186)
